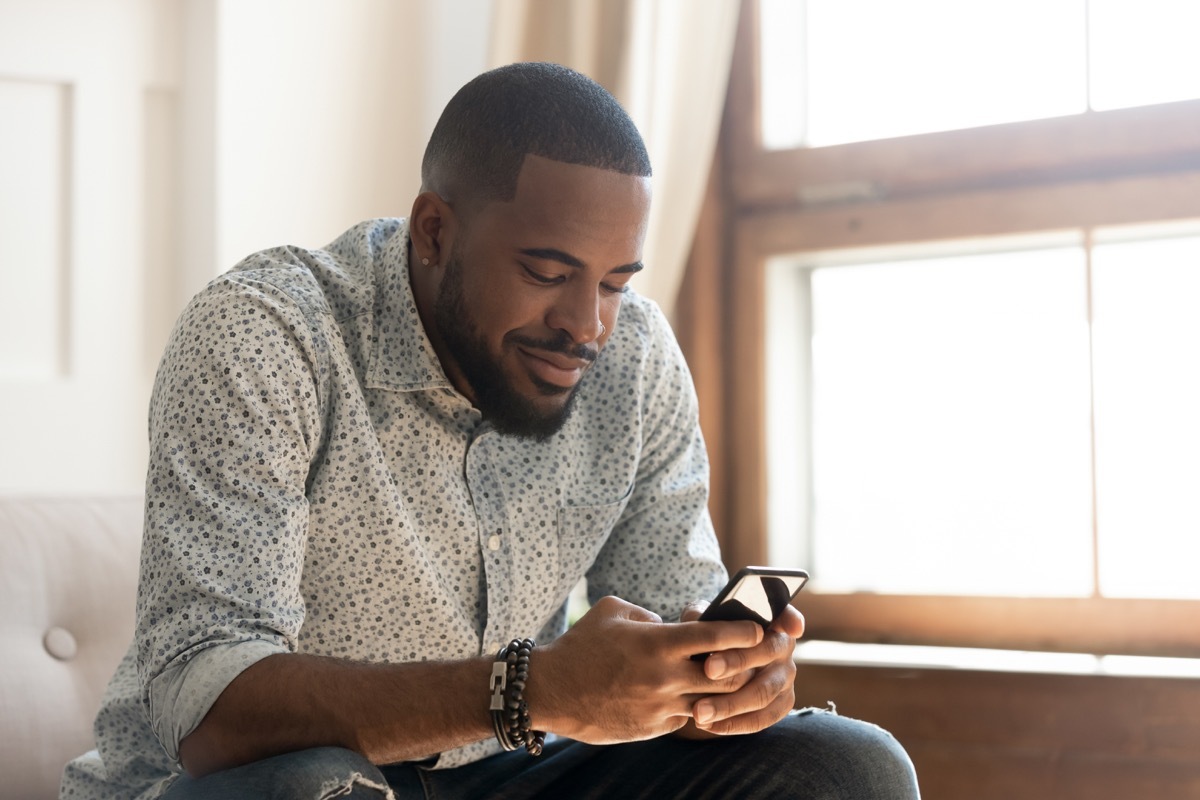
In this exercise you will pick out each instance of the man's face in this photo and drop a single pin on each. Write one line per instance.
(531, 293)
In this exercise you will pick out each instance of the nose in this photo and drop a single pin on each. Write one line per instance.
(577, 314)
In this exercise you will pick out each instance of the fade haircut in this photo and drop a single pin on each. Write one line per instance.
(482, 137)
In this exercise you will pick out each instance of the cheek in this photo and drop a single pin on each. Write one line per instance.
(495, 307)
(518, 312)
(610, 312)
(518, 317)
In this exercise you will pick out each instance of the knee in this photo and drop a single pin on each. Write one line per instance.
(882, 761)
(330, 772)
(850, 758)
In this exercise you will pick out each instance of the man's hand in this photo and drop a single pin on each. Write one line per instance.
(766, 675)
(621, 675)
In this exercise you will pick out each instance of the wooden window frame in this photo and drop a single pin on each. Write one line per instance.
(1095, 169)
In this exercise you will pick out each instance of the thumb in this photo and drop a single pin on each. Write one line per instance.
(693, 610)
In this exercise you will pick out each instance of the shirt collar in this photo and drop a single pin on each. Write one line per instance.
(402, 357)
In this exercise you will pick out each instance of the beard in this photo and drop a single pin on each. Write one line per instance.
(500, 403)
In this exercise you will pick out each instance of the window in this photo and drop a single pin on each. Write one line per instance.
(949, 428)
(1147, 334)
(836, 71)
(961, 393)
(950, 431)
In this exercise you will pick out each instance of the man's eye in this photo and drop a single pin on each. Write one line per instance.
(610, 289)
(539, 277)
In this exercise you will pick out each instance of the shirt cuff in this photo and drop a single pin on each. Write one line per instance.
(183, 693)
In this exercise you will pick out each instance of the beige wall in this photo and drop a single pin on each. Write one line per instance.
(324, 109)
(147, 145)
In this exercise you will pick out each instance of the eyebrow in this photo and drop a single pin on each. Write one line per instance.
(553, 254)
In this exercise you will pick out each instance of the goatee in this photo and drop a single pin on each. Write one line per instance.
(504, 407)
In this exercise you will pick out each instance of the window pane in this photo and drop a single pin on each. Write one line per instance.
(782, 43)
(1147, 335)
(950, 426)
(1143, 52)
(881, 68)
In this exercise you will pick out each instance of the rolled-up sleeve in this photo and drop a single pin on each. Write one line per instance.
(181, 694)
(234, 429)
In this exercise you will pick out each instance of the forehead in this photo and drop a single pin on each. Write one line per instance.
(574, 208)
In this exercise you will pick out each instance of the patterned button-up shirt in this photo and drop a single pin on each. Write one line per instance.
(317, 485)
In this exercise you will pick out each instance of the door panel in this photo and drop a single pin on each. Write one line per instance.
(82, 111)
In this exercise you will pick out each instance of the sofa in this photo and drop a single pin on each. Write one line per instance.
(68, 578)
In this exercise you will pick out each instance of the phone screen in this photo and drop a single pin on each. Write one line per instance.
(759, 594)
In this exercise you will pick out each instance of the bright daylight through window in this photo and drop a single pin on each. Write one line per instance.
(1011, 415)
(950, 419)
(1146, 332)
(839, 71)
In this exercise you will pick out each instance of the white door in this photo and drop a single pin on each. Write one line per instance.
(88, 99)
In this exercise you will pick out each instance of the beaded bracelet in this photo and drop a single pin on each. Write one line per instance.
(510, 713)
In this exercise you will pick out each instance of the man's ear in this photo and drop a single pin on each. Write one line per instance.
(431, 226)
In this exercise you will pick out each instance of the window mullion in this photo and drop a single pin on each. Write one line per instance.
(1088, 241)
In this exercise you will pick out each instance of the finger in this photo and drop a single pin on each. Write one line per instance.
(774, 647)
(755, 720)
(704, 686)
(691, 638)
(616, 607)
(769, 688)
(791, 622)
(692, 611)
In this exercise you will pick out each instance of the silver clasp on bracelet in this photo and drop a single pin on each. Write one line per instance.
(499, 682)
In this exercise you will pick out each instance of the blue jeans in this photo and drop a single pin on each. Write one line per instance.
(814, 755)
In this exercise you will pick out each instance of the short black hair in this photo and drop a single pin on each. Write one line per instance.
(494, 121)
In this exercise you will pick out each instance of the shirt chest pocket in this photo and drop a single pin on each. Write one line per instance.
(582, 531)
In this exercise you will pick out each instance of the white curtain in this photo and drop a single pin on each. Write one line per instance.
(667, 62)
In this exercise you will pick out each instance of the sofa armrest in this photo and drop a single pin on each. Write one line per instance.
(68, 580)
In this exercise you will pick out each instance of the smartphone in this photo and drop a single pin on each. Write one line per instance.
(759, 594)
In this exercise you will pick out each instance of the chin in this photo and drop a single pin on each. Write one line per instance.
(546, 409)
(549, 394)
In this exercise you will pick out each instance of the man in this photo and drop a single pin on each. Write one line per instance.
(375, 466)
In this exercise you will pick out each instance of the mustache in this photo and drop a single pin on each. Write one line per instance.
(558, 344)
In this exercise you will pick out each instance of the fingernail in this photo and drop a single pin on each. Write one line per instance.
(715, 666)
(704, 712)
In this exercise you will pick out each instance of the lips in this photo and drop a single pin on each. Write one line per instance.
(554, 368)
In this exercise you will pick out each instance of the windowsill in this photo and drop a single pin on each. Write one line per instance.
(984, 660)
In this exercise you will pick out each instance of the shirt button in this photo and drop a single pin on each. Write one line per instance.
(493, 542)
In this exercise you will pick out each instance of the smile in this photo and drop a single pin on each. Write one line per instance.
(554, 368)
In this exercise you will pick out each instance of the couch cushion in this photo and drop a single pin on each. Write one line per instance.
(68, 578)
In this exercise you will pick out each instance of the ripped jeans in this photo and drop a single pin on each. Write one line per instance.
(816, 755)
